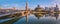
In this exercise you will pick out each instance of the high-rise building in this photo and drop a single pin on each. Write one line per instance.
(0, 8)
(14, 8)
(46, 8)
(56, 8)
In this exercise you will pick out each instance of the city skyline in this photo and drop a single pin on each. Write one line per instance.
(20, 4)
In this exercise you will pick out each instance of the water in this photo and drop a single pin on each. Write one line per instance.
(36, 19)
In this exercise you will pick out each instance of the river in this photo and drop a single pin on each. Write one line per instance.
(35, 19)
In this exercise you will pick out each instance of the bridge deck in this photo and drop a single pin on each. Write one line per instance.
(7, 14)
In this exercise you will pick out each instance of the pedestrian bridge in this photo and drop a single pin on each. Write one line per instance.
(12, 14)
(23, 13)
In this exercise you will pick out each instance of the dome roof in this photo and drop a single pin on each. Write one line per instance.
(38, 8)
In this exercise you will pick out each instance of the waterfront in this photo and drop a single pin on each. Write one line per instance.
(33, 19)
(11, 13)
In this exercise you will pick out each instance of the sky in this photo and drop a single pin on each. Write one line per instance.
(20, 4)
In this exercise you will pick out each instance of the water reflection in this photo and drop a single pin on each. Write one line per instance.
(36, 19)
(38, 15)
(56, 15)
(11, 21)
(52, 15)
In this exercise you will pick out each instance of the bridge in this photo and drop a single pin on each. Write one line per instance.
(21, 13)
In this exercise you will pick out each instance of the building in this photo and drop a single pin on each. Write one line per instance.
(38, 8)
(56, 8)
(46, 8)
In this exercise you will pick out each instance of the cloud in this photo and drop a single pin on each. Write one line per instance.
(57, 2)
(17, 6)
(54, 2)
(10, 6)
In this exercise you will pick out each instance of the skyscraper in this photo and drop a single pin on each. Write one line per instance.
(46, 8)
(56, 8)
